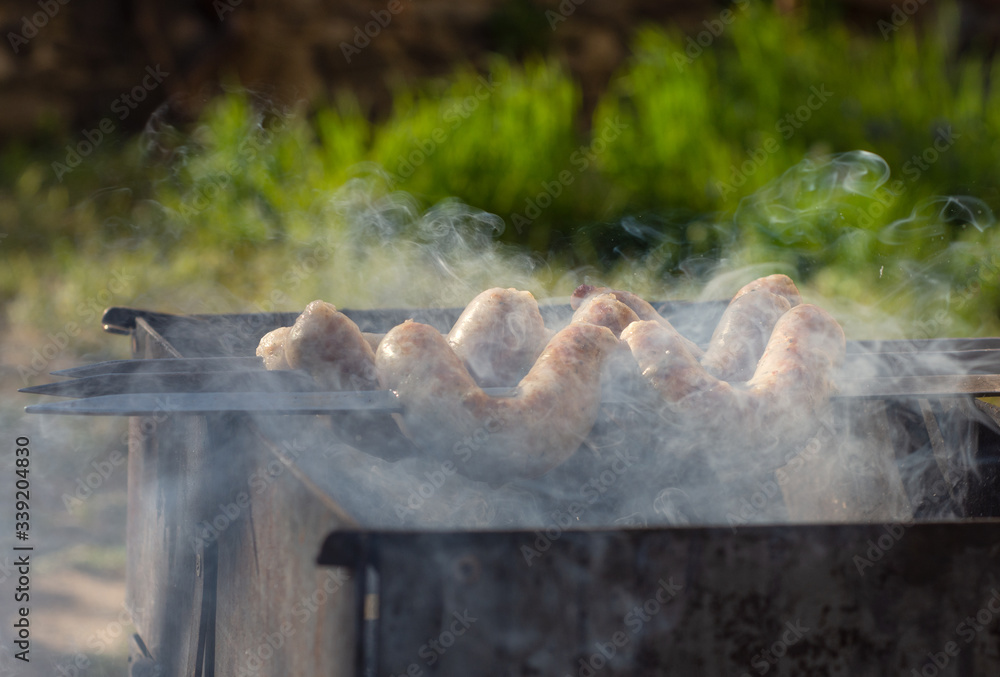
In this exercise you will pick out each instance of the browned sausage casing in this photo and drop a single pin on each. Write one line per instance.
(794, 378)
(496, 439)
(792, 383)
(640, 306)
(742, 333)
(605, 310)
(272, 348)
(746, 325)
(666, 362)
(330, 347)
(778, 284)
(499, 335)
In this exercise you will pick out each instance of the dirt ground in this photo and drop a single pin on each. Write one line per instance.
(79, 625)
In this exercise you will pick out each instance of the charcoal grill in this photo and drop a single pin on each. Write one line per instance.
(266, 545)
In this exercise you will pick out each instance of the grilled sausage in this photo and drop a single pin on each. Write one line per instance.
(794, 378)
(605, 310)
(330, 347)
(746, 325)
(742, 333)
(272, 348)
(496, 439)
(792, 383)
(640, 306)
(498, 336)
(666, 362)
(780, 285)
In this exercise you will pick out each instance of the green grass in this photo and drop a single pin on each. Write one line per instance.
(688, 167)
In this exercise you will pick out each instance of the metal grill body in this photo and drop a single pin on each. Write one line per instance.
(259, 546)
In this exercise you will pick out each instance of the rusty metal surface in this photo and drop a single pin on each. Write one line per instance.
(854, 600)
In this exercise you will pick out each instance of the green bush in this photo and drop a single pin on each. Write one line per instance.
(762, 148)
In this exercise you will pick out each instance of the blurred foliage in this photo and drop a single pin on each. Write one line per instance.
(516, 28)
(707, 153)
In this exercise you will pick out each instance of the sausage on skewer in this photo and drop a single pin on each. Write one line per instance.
(742, 334)
(496, 439)
(640, 306)
(746, 325)
(329, 346)
(792, 383)
(499, 336)
(272, 348)
(606, 311)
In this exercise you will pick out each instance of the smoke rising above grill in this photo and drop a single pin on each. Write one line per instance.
(383, 257)
(641, 465)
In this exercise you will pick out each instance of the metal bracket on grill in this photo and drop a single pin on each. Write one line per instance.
(140, 662)
(352, 550)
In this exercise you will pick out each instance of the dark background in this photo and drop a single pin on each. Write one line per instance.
(91, 51)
